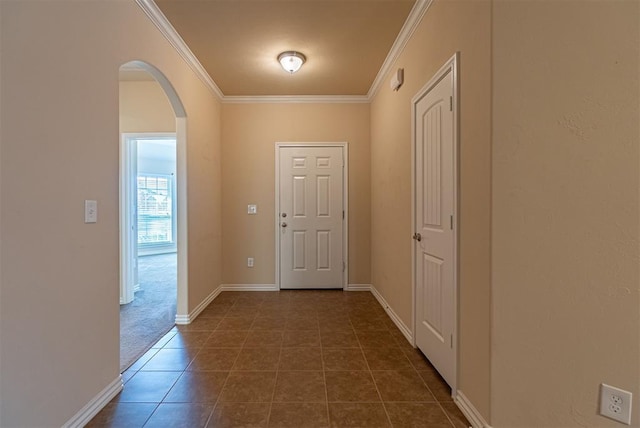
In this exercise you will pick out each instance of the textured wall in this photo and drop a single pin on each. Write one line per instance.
(144, 108)
(447, 27)
(59, 309)
(566, 285)
(250, 132)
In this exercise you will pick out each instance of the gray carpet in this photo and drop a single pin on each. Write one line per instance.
(153, 311)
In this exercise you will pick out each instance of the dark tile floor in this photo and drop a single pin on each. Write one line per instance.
(284, 359)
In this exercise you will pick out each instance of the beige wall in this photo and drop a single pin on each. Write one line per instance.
(566, 306)
(448, 26)
(250, 132)
(144, 107)
(204, 151)
(59, 143)
(558, 272)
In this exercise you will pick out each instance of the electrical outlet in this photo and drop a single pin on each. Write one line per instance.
(250, 262)
(615, 403)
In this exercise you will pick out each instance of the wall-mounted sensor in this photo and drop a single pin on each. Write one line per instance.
(397, 79)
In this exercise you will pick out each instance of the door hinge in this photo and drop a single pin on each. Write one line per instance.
(451, 221)
(451, 103)
(451, 341)
(344, 266)
(343, 215)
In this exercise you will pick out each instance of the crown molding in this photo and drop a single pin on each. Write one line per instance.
(156, 16)
(169, 32)
(409, 27)
(298, 99)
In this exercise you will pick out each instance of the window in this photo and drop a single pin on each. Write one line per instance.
(155, 210)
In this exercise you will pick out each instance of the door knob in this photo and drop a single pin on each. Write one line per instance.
(284, 224)
(417, 237)
(284, 215)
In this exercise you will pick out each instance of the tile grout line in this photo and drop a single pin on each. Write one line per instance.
(374, 381)
(324, 376)
(150, 415)
(215, 406)
(275, 381)
(275, 385)
(162, 400)
(426, 384)
(186, 370)
(429, 389)
(224, 384)
(345, 307)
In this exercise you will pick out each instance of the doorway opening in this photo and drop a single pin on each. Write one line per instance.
(153, 257)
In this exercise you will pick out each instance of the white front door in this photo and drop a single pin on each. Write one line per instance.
(310, 216)
(434, 224)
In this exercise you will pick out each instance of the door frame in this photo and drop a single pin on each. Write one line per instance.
(128, 168)
(128, 241)
(345, 204)
(451, 66)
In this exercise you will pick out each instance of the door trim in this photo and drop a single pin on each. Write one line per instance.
(451, 66)
(128, 168)
(345, 204)
(128, 159)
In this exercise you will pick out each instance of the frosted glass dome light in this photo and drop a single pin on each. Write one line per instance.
(291, 61)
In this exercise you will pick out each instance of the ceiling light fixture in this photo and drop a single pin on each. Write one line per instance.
(291, 61)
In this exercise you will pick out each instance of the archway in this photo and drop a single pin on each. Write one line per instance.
(129, 192)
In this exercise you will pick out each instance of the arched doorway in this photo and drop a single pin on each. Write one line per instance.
(164, 237)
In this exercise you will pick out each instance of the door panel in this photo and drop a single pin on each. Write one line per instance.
(435, 203)
(299, 199)
(310, 218)
(299, 253)
(323, 253)
(323, 205)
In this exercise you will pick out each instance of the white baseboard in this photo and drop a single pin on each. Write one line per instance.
(136, 288)
(92, 408)
(274, 287)
(183, 319)
(187, 319)
(249, 287)
(406, 331)
(468, 409)
(358, 287)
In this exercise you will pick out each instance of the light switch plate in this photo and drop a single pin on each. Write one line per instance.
(252, 209)
(90, 211)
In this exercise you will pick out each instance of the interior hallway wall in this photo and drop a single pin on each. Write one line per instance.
(59, 143)
(249, 133)
(144, 107)
(565, 241)
(447, 27)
